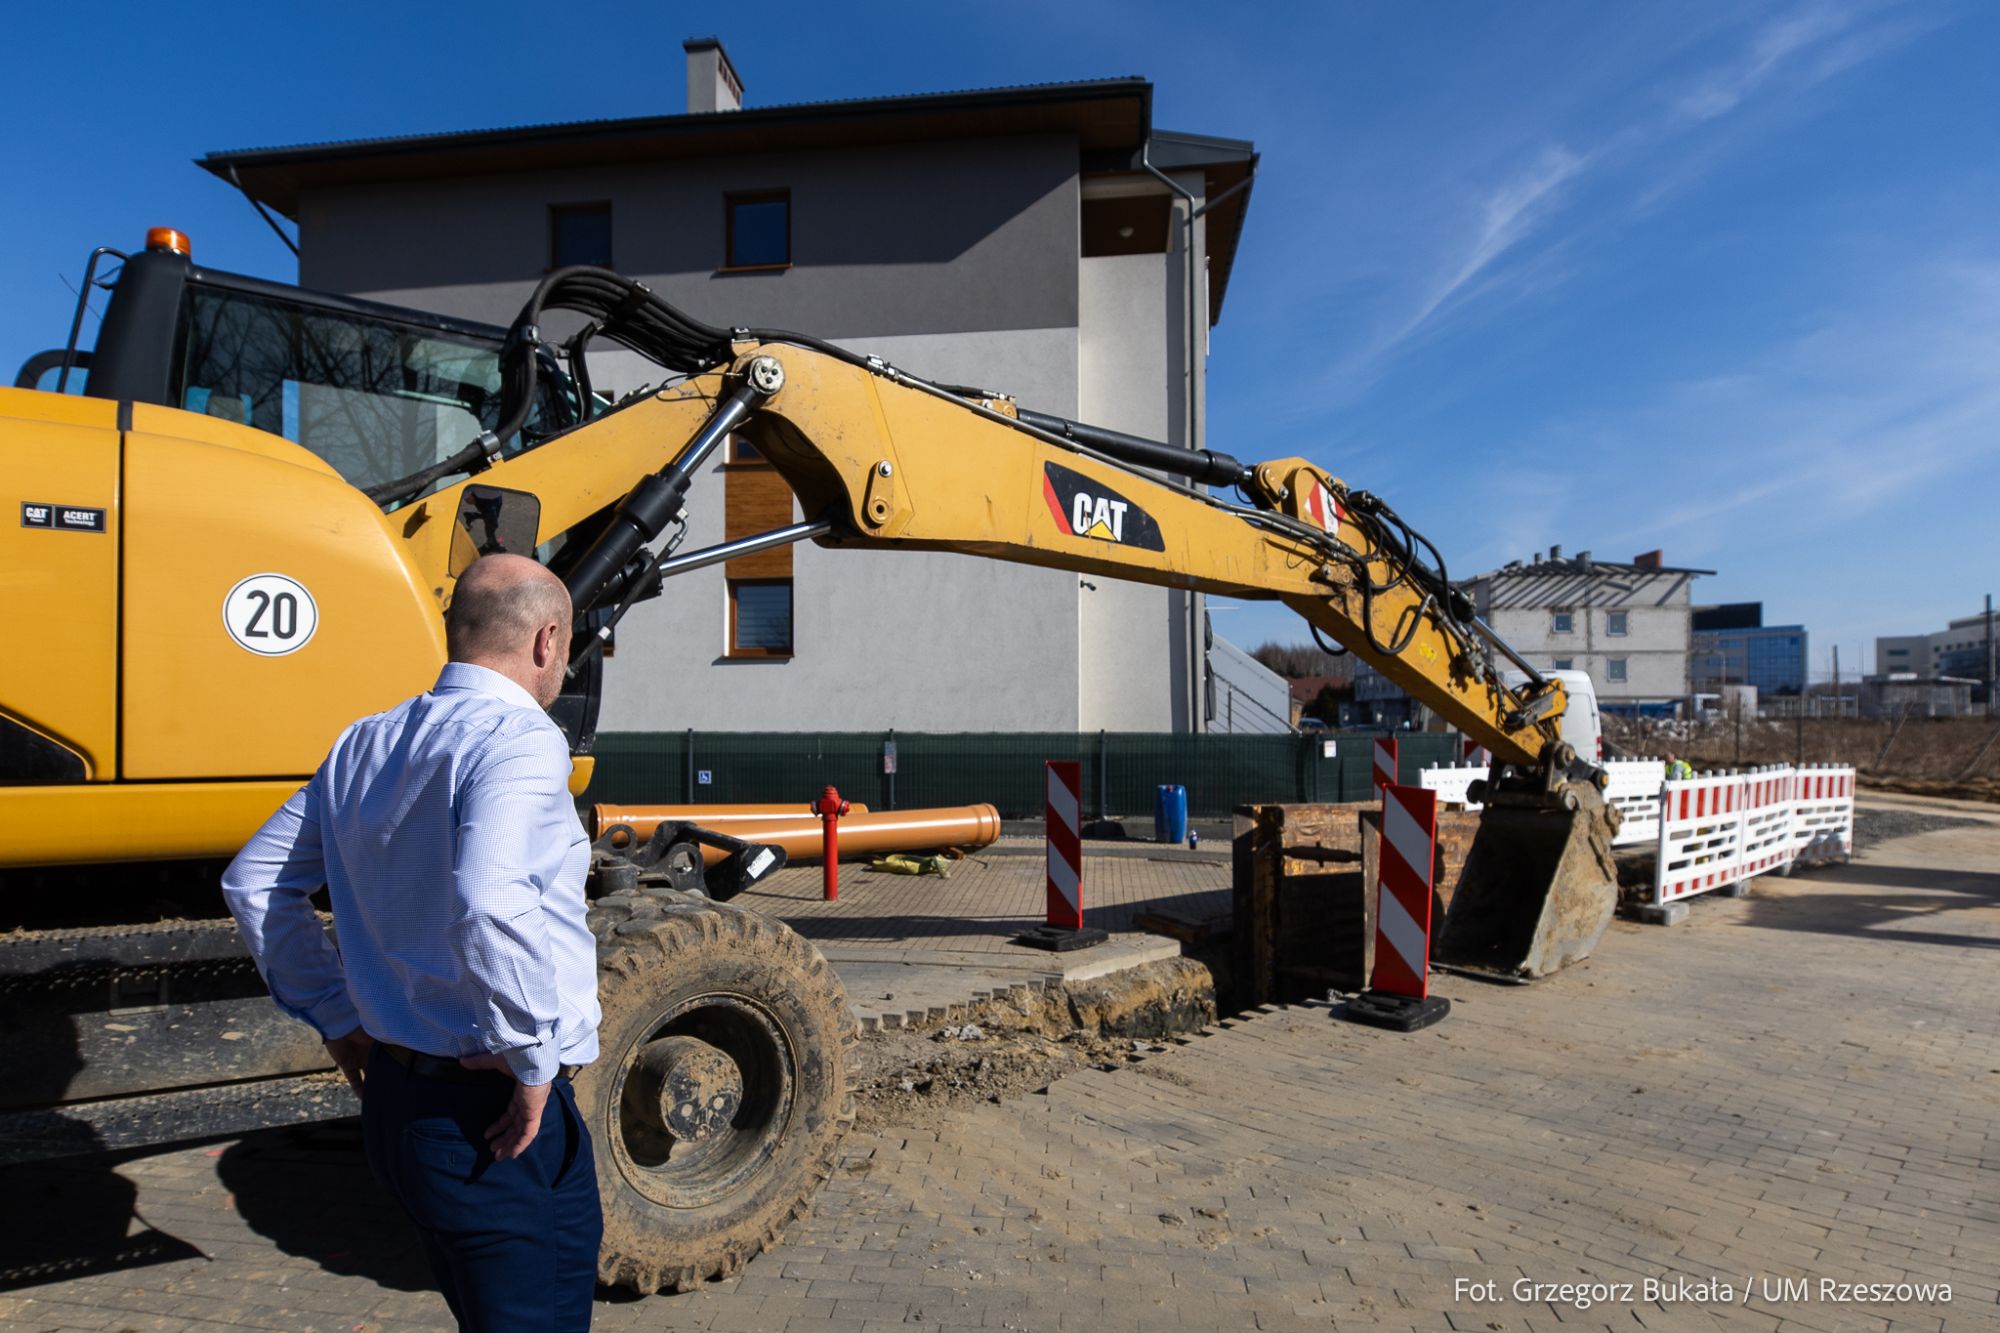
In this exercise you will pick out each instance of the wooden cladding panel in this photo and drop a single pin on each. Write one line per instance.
(756, 500)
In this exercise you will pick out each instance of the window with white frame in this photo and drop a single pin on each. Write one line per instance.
(1614, 669)
(1562, 622)
(1616, 622)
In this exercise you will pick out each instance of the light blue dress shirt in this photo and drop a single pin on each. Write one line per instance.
(449, 844)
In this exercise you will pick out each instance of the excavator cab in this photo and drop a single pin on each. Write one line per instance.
(377, 392)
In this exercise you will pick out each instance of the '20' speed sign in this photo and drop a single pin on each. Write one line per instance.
(270, 614)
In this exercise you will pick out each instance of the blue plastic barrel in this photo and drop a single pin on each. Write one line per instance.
(1170, 813)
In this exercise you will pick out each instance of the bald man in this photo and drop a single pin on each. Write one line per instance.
(464, 990)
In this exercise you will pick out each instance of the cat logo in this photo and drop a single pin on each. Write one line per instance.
(1087, 508)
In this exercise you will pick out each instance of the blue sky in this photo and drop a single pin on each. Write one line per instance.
(1722, 279)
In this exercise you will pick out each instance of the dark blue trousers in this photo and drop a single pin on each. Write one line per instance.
(513, 1244)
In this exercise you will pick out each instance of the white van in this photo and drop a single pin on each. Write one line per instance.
(1582, 727)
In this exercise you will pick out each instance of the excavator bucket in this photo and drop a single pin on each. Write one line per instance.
(1538, 888)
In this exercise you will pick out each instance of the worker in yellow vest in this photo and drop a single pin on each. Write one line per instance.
(1678, 769)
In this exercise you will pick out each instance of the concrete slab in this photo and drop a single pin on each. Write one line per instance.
(916, 949)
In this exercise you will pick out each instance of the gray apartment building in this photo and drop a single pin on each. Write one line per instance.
(1045, 241)
(1627, 624)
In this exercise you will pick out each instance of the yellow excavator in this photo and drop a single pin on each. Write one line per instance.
(239, 537)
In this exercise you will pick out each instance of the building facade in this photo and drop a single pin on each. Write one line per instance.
(1731, 645)
(1015, 239)
(1628, 625)
(1904, 694)
(1967, 649)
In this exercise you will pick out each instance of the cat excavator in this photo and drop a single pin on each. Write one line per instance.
(240, 536)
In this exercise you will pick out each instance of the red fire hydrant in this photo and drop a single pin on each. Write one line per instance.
(829, 807)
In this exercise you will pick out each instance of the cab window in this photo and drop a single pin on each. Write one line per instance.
(376, 399)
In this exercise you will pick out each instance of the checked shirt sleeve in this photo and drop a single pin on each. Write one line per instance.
(515, 826)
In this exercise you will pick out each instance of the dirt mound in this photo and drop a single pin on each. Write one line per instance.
(1025, 1041)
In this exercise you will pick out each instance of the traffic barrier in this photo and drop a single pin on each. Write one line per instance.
(1781, 816)
(1065, 843)
(1823, 813)
(1063, 812)
(1399, 995)
(1451, 784)
(1385, 763)
(1633, 786)
(1718, 830)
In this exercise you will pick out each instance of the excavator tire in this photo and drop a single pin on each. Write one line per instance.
(719, 1097)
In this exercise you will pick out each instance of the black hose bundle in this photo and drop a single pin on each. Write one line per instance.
(628, 313)
(1392, 540)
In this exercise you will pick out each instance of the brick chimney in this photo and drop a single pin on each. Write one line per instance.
(713, 84)
(1648, 559)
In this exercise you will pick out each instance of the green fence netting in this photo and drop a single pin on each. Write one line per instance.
(1121, 770)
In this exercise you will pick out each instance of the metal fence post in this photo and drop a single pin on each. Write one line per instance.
(1103, 778)
(687, 781)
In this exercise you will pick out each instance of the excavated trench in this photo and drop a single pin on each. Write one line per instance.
(1022, 1042)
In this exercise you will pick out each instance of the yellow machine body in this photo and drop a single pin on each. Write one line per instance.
(184, 732)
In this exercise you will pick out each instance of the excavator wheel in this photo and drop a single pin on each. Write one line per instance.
(719, 1096)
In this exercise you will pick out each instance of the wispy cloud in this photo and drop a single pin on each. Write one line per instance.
(1720, 91)
(1825, 448)
(1492, 235)
(1508, 214)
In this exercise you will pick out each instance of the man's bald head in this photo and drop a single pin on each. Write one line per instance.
(511, 615)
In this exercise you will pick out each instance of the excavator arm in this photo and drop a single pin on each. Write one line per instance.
(880, 459)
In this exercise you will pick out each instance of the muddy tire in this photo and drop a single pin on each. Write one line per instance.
(719, 1096)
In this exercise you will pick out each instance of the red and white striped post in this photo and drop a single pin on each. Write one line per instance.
(1063, 808)
(1400, 994)
(1385, 763)
(1065, 843)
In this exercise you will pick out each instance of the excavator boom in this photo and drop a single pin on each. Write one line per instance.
(881, 459)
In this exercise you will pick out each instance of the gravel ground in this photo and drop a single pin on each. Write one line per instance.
(1872, 827)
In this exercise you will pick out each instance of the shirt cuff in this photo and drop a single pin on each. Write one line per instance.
(534, 1065)
(333, 1016)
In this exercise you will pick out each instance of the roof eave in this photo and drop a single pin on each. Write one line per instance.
(275, 176)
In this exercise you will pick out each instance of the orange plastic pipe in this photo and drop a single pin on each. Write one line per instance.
(722, 818)
(867, 834)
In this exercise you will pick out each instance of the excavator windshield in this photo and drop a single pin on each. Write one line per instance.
(378, 391)
(376, 399)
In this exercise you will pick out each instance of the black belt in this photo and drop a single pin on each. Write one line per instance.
(451, 1071)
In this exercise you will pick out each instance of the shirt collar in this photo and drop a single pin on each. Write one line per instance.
(483, 680)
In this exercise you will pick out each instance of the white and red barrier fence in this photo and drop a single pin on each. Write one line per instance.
(1634, 787)
(1715, 830)
(1822, 813)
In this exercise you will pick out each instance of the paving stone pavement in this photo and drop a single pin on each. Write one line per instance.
(1800, 1084)
(986, 901)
